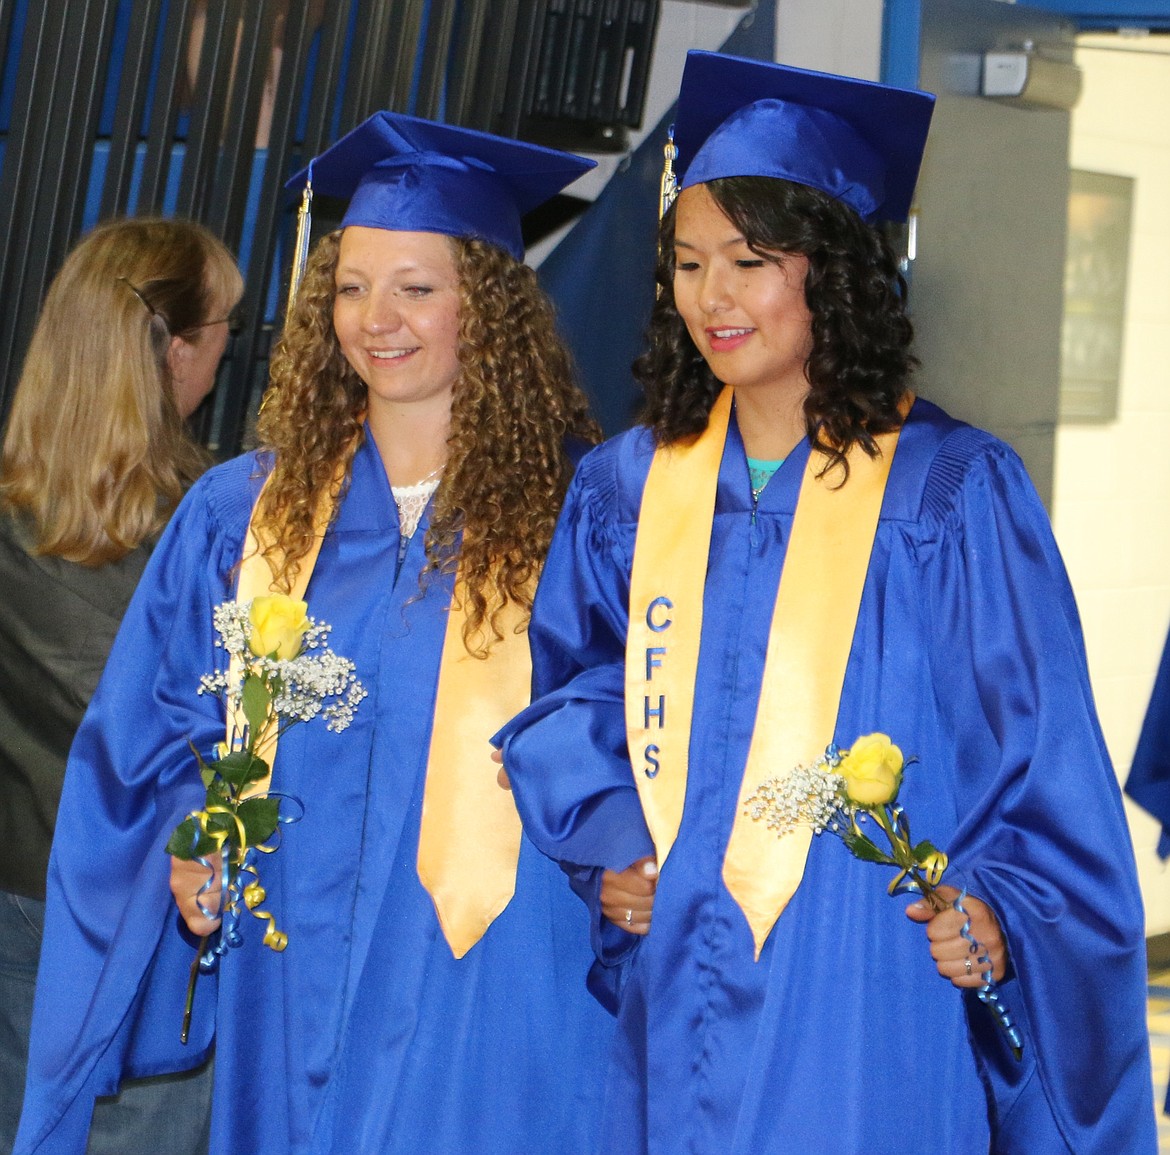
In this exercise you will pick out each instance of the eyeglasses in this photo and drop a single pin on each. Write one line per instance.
(235, 321)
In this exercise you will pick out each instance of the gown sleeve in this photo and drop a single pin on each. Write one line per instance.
(115, 955)
(566, 754)
(1041, 835)
(1149, 776)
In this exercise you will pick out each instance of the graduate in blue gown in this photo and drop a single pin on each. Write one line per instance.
(1148, 783)
(417, 432)
(700, 589)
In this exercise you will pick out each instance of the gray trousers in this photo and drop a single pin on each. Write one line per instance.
(164, 1115)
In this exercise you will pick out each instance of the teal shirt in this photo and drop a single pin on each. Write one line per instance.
(760, 472)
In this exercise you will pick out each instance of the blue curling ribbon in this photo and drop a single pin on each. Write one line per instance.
(988, 993)
(232, 889)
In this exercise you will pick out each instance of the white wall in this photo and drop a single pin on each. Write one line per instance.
(842, 36)
(1111, 507)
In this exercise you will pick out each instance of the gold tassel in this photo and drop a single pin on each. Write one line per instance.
(668, 188)
(301, 251)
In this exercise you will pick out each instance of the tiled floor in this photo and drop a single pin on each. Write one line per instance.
(1159, 1019)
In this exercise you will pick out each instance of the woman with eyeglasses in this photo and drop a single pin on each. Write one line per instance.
(417, 436)
(96, 457)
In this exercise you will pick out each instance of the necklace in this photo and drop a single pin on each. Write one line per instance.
(432, 476)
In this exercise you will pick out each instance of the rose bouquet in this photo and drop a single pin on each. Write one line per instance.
(843, 792)
(280, 672)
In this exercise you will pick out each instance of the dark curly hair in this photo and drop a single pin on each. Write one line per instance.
(860, 362)
(514, 407)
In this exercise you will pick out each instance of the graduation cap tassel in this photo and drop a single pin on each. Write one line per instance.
(301, 250)
(668, 187)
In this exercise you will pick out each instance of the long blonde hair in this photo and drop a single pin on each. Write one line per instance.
(513, 409)
(96, 455)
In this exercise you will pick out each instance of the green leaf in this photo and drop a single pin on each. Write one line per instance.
(239, 768)
(924, 850)
(183, 844)
(255, 701)
(218, 793)
(260, 816)
(862, 848)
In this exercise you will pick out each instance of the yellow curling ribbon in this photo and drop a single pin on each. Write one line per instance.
(812, 629)
(469, 838)
(253, 893)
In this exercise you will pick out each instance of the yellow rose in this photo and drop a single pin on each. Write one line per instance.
(278, 626)
(872, 769)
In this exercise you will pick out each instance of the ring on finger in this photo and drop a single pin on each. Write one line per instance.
(630, 919)
(967, 965)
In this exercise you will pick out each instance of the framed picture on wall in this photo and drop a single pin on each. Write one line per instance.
(1100, 209)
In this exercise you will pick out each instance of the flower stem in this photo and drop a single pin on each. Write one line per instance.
(899, 846)
(190, 1002)
(937, 902)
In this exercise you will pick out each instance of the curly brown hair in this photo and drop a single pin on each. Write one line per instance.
(860, 362)
(514, 409)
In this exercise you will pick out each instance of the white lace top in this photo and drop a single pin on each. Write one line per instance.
(411, 501)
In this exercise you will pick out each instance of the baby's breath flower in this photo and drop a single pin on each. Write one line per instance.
(300, 688)
(233, 626)
(213, 683)
(806, 796)
(338, 715)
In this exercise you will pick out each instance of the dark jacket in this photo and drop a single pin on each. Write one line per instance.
(57, 624)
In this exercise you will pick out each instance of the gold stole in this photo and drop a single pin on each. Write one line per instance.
(808, 646)
(469, 839)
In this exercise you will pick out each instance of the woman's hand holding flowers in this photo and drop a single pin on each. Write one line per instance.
(280, 672)
(854, 794)
(950, 950)
(188, 877)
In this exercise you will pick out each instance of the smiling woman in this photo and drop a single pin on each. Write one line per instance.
(417, 438)
(747, 315)
(396, 316)
(714, 624)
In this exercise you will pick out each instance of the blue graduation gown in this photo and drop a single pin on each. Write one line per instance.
(1148, 783)
(843, 1038)
(365, 1034)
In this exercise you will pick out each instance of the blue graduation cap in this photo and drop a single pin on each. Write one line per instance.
(413, 175)
(856, 140)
